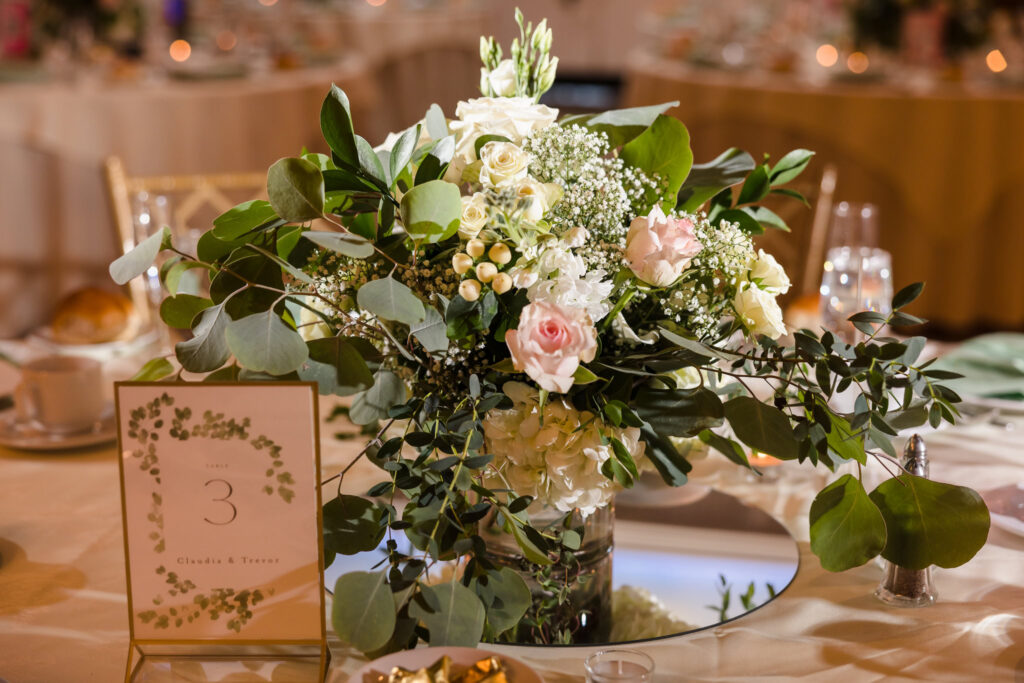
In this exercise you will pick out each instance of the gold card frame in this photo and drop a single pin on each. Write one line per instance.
(235, 649)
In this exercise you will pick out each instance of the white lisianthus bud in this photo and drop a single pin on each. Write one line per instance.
(461, 263)
(475, 248)
(469, 290)
(474, 216)
(502, 164)
(500, 253)
(503, 79)
(486, 271)
(501, 283)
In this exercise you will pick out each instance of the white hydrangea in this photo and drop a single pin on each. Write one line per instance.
(562, 278)
(556, 459)
(638, 615)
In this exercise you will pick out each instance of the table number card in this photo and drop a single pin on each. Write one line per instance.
(220, 495)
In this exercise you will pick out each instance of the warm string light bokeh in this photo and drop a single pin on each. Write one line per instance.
(180, 50)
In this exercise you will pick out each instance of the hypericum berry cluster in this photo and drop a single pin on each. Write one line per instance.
(486, 263)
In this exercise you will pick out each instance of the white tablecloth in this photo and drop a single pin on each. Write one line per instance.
(63, 607)
(56, 230)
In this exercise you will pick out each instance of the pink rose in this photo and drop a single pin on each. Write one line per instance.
(550, 342)
(659, 248)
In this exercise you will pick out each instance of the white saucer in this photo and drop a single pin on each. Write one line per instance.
(28, 437)
(377, 671)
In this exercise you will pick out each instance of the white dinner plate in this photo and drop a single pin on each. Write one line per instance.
(378, 670)
(29, 437)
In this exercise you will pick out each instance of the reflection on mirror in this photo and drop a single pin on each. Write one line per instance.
(680, 564)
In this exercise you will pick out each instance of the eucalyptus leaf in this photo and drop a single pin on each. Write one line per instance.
(352, 525)
(153, 370)
(138, 260)
(506, 596)
(435, 163)
(664, 150)
(373, 404)
(345, 243)
(762, 427)
(706, 180)
(264, 343)
(401, 153)
(389, 299)
(363, 613)
(174, 280)
(432, 332)
(929, 522)
(451, 612)
(671, 465)
(621, 125)
(431, 212)
(437, 125)
(336, 125)
(180, 311)
(241, 219)
(296, 189)
(847, 529)
(336, 366)
(207, 350)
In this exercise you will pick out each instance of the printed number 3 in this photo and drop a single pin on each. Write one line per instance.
(224, 499)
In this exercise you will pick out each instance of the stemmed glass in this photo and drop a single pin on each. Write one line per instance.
(857, 274)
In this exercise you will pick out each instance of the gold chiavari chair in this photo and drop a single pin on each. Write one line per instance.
(197, 199)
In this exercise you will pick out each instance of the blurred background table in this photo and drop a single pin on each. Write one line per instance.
(944, 168)
(56, 225)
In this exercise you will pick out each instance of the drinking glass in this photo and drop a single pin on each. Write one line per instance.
(857, 274)
(150, 212)
(619, 666)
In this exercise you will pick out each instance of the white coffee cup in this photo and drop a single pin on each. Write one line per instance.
(61, 394)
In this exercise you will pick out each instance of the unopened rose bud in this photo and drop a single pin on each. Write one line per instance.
(475, 248)
(469, 290)
(461, 263)
(486, 271)
(501, 283)
(500, 253)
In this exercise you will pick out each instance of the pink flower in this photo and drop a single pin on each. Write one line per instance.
(658, 248)
(550, 342)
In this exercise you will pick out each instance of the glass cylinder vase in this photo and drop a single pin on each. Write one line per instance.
(572, 598)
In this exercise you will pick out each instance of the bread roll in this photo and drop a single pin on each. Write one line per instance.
(93, 316)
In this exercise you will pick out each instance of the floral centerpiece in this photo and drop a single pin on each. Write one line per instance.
(526, 311)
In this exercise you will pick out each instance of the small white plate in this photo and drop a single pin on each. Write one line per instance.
(28, 437)
(378, 670)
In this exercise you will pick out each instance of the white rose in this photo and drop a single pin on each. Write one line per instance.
(511, 117)
(311, 326)
(759, 312)
(767, 272)
(503, 79)
(503, 164)
(540, 196)
(474, 216)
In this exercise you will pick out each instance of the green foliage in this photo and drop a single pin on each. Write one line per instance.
(847, 529)
(929, 522)
(156, 369)
(337, 366)
(138, 260)
(451, 612)
(207, 350)
(431, 212)
(264, 343)
(621, 125)
(662, 150)
(363, 613)
(296, 189)
(243, 218)
(389, 299)
(706, 180)
(345, 243)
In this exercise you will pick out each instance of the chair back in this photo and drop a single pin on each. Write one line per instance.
(190, 204)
